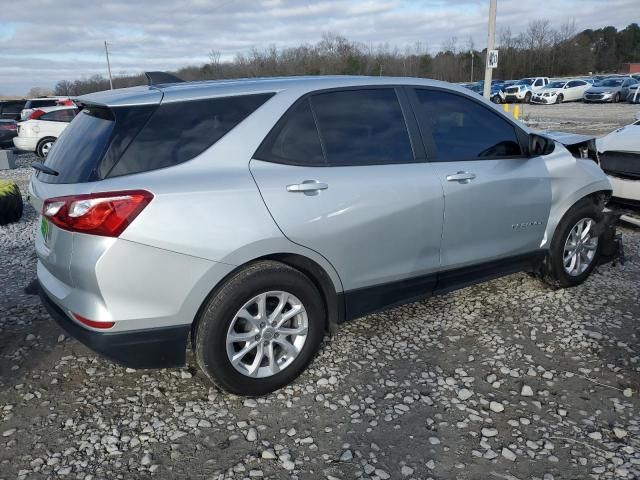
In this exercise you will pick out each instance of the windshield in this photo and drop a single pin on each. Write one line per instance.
(525, 81)
(611, 82)
(556, 85)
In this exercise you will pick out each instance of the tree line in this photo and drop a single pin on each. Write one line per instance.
(540, 50)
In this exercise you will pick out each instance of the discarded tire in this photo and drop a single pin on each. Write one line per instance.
(10, 202)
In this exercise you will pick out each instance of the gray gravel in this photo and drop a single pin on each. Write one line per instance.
(505, 380)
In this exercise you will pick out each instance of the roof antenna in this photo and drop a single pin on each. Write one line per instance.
(159, 78)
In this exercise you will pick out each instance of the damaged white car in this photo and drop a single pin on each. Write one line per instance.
(561, 91)
(619, 156)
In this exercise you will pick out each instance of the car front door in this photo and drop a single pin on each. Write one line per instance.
(497, 200)
(341, 175)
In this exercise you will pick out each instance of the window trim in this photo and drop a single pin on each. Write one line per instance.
(427, 136)
(417, 148)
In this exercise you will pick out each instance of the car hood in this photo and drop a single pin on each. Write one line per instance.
(555, 91)
(603, 89)
(625, 139)
(580, 146)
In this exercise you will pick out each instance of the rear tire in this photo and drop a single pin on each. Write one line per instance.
(10, 202)
(44, 145)
(218, 338)
(563, 269)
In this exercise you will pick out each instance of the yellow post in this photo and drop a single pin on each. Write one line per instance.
(516, 112)
(506, 107)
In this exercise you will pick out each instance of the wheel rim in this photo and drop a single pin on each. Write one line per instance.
(580, 247)
(46, 147)
(267, 334)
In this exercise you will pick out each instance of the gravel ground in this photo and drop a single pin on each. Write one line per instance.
(506, 380)
(588, 118)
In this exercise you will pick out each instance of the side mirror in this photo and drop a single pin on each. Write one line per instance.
(638, 116)
(539, 145)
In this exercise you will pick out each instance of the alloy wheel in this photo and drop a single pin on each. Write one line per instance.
(580, 247)
(267, 334)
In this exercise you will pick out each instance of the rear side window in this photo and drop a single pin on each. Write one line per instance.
(463, 129)
(179, 131)
(295, 140)
(59, 115)
(362, 127)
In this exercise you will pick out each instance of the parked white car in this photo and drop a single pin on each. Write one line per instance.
(619, 154)
(560, 91)
(38, 134)
(34, 104)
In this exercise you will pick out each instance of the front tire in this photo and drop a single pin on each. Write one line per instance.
(527, 98)
(575, 248)
(559, 99)
(260, 330)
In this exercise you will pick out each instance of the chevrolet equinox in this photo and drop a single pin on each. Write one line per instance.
(249, 217)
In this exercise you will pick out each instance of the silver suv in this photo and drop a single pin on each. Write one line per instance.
(252, 216)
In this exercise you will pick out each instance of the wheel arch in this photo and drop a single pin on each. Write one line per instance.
(332, 297)
(599, 196)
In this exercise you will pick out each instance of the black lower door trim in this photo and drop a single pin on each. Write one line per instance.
(362, 301)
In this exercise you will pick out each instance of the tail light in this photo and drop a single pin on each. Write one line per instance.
(36, 114)
(9, 126)
(107, 213)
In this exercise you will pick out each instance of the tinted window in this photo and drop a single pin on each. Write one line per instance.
(42, 103)
(538, 83)
(463, 129)
(576, 83)
(179, 131)
(59, 115)
(295, 139)
(12, 107)
(362, 127)
(79, 148)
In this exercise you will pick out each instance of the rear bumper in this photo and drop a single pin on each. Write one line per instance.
(162, 347)
(25, 143)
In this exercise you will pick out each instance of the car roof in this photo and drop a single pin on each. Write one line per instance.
(219, 88)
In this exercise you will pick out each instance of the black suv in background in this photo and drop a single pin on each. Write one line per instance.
(10, 109)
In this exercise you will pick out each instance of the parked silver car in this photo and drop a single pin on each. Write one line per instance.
(252, 216)
(614, 89)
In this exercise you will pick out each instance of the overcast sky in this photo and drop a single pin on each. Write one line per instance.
(44, 41)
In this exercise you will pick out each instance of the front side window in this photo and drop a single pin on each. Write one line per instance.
(361, 127)
(538, 83)
(463, 129)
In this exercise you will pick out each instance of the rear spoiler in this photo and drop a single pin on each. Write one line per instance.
(159, 78)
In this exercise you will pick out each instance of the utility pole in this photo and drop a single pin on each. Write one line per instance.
(491, 40)
(471, 52)
(106, 51)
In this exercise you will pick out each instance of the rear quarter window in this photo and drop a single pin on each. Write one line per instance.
(180, 131)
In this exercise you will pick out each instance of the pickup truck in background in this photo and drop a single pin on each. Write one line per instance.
(523, 90)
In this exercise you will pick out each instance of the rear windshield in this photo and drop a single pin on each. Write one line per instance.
(74, 155)
(101, 143)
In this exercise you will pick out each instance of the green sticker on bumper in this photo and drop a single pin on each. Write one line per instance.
(44, 228)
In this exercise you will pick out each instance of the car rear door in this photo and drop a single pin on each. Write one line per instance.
(341, 175)
(497, 200)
